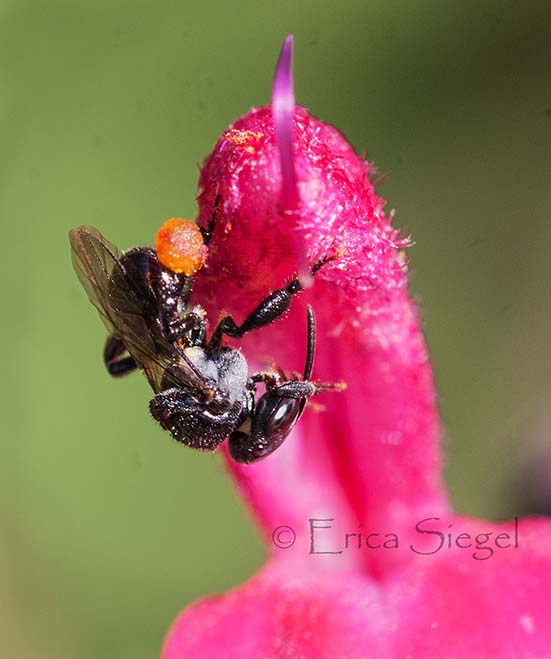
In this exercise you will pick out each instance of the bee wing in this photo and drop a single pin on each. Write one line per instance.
(117, 292)
(94, 259)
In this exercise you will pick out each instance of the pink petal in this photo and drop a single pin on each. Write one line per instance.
(278, 615)
(373, 456)
(447, 604)
(499, 607)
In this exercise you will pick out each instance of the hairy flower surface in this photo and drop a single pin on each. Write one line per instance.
(287, 190)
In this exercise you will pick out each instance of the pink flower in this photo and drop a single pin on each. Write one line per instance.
(415, 580)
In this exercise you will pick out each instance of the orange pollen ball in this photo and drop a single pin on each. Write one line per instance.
(180, 246)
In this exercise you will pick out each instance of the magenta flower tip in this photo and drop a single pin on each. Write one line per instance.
(283, 112)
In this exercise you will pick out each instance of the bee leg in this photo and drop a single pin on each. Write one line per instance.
(270, 379)
(115, 364)
(207, 231)
(271, 308)
(193, 325)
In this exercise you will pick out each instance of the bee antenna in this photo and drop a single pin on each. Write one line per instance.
(310, 343)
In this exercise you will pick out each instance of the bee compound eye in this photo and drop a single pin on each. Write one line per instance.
(282, 417)
(260, 436)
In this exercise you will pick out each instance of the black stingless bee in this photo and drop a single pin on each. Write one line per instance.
(203, 391)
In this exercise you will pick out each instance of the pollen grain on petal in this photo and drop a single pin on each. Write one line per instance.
(249, 140)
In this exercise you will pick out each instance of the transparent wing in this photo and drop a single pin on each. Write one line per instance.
(126, 305)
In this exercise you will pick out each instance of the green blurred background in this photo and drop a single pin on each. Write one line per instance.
(107, 527)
